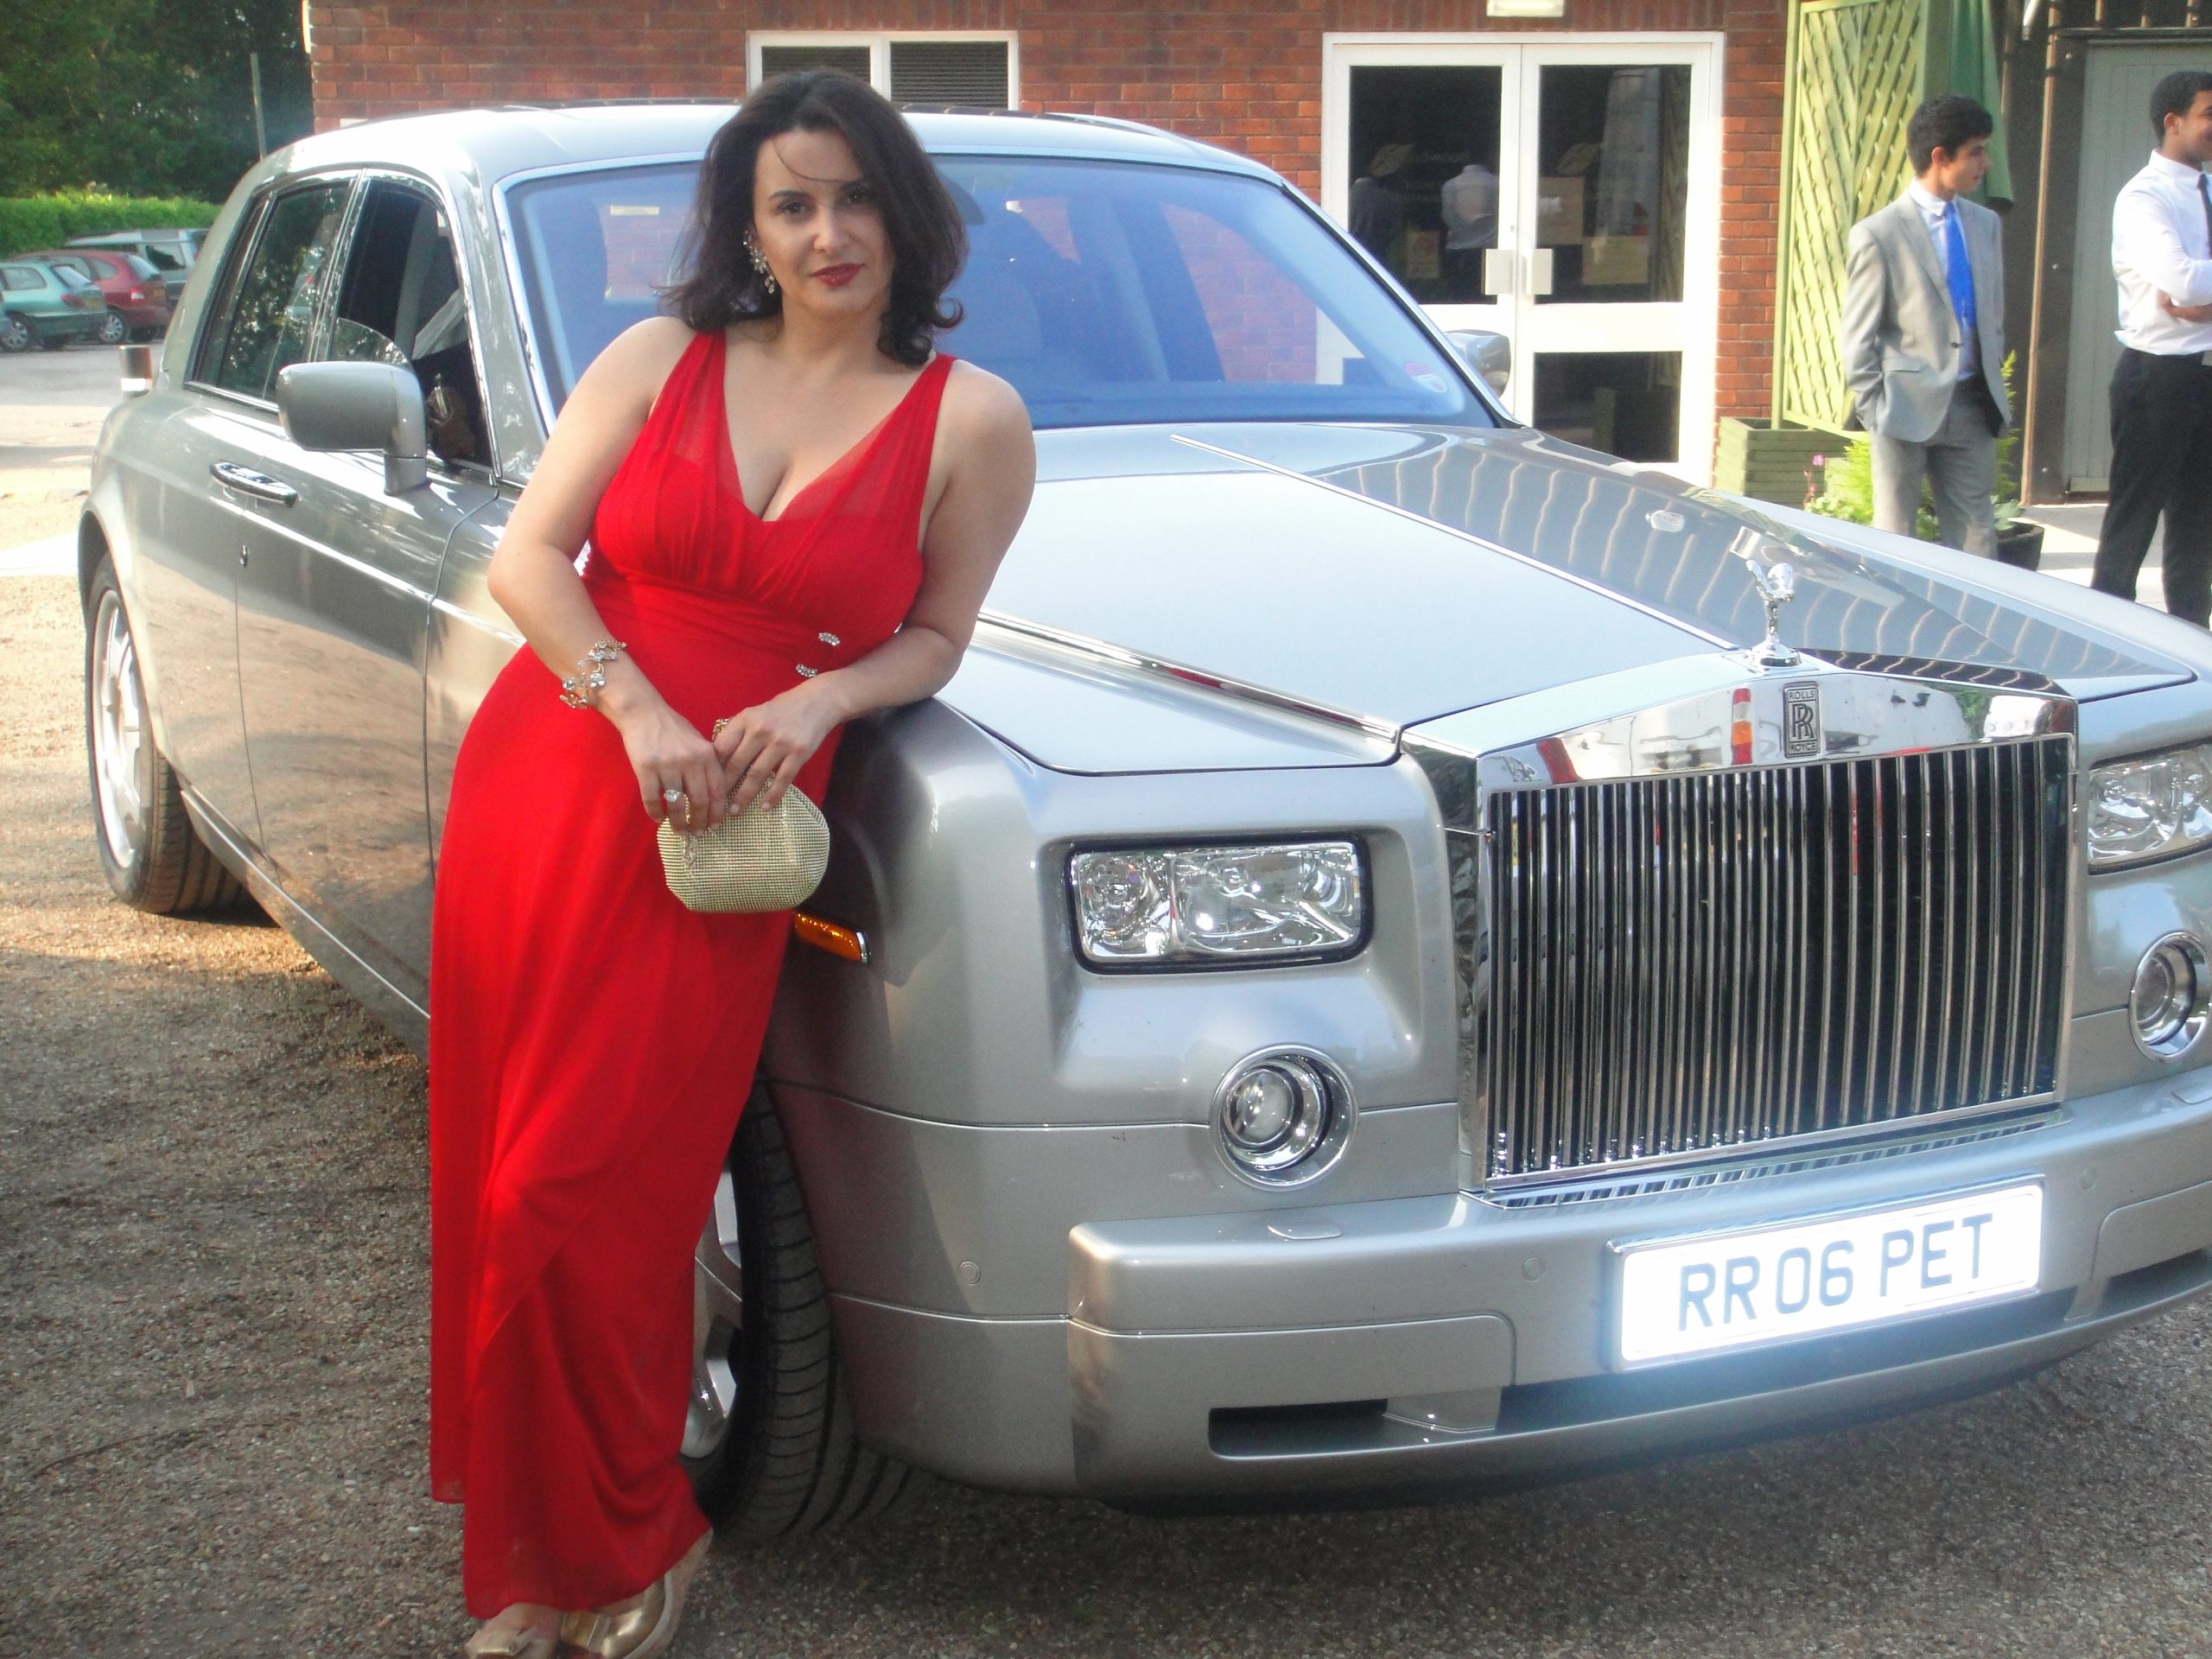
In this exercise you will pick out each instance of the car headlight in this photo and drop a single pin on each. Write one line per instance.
(1296, 900)
(2150, 807)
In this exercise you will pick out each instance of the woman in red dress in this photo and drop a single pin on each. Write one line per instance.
(794, 508)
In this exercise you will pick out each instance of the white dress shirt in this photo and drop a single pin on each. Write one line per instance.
(1932, 208)
(1470, 206)
(2160, 247)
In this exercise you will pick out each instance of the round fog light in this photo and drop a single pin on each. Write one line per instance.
(1283, 1115)
(2168, 1003)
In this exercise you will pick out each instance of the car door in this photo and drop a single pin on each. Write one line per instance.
(194, 500)
(335, 601)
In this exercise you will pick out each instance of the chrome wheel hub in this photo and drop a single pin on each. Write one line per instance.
(121, 756)
(717, 1323)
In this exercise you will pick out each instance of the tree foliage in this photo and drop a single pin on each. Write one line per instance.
(146, 97)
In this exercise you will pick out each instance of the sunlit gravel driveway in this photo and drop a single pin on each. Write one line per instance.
(213, 1248)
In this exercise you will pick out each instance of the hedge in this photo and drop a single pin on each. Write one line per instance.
(29, 222)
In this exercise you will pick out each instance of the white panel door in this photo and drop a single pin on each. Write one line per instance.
(1561, 191)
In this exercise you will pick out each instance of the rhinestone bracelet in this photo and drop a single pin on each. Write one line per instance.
(579, 689)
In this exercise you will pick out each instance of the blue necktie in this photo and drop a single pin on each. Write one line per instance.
(1961, 277)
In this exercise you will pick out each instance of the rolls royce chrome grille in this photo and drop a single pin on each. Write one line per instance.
(1681, 965)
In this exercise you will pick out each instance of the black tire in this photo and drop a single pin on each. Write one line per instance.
(153, 858)
(15, 333)
(790, 1461)
(113, 330)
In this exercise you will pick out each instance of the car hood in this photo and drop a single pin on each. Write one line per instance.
(1401, 574)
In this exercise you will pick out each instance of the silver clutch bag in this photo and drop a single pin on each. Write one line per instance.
(756, 860)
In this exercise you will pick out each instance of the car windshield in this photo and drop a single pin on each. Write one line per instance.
(1106, 293)
(71, 277)
(141, 269)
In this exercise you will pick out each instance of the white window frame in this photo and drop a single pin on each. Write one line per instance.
(1698, 314)
(878, 41)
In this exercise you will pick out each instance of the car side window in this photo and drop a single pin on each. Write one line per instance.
(273, 300)
(400, 301)
(165, 255)
(15, 276)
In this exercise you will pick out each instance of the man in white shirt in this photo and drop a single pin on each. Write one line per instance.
(1923, 332)
(1469, 200)
(2162, 388)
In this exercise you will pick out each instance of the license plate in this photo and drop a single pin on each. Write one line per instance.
(1705, 1294)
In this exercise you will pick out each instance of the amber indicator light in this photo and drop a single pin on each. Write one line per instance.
(829, 936)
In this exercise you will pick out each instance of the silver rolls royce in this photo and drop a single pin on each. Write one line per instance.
(1411, 955)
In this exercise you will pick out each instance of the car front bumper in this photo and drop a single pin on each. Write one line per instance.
(1412, 1347)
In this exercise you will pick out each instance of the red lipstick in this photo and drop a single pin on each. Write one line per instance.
(836, 276)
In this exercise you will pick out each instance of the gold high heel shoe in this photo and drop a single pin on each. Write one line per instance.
(641, 1631)
(523, 1642)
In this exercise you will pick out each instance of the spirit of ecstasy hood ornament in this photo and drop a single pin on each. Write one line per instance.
(1776, 581)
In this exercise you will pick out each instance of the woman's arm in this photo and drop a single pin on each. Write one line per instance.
(992, 467)
(533, 572)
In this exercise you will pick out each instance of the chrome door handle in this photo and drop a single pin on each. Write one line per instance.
(260, 486)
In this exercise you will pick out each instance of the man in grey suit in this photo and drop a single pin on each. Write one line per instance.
(1923, 333)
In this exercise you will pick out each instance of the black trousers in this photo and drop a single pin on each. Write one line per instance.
(2161, 462)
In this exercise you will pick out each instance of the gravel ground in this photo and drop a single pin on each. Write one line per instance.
(51, 407)
(212, 1223)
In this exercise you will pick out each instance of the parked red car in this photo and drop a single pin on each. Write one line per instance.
(137, 300)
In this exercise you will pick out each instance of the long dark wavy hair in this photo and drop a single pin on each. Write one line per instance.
(719, 286)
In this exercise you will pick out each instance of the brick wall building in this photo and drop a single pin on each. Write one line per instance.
(1620, 154)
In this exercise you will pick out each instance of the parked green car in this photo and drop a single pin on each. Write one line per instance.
(51, 304)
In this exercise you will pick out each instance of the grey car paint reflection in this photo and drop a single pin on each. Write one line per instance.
(1045, 1277)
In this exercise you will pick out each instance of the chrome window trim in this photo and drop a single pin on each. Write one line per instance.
(511, 258)
(255, 215)
(443, 199)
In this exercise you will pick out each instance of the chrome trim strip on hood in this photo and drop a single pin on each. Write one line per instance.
(1101, 650)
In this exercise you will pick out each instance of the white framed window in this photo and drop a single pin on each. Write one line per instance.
(978, 68)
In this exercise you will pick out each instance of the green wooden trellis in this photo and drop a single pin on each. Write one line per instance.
(1855, 71)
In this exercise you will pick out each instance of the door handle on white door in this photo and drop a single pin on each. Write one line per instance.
(1497, 271)
(1540, 271)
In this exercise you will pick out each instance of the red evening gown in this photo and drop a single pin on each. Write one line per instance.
(592, 1041)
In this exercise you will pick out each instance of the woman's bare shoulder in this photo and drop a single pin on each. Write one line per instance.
(635, 365)
(982, 405)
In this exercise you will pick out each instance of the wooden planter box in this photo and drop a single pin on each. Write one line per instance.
(1769, 462)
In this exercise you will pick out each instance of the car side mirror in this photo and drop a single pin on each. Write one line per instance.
(1489, 355)
(358, 406)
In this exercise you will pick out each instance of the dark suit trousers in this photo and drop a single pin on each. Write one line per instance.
(2161, 462)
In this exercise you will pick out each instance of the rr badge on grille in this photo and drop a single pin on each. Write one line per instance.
(1800, 720)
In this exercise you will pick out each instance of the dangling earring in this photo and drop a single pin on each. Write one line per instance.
(760, 264)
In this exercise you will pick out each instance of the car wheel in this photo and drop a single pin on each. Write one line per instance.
(148, 850)
(769, 1441)
(15, 334)
(113, 330)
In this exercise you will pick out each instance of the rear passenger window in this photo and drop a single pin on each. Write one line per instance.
(17, 276)
(273, 300)
(400, 301)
